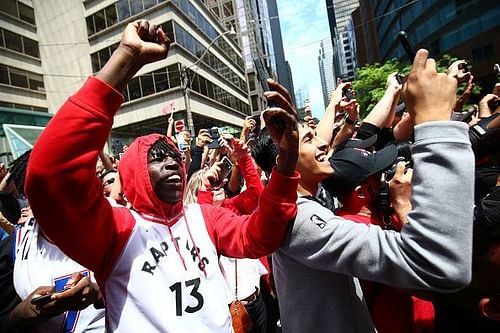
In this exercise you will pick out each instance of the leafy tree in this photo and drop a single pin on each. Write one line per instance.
(371, 80)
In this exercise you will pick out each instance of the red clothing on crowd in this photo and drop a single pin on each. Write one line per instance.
(67, 198)
(392, 310)
(245, 202)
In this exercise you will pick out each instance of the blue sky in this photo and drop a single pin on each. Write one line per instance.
(304, 23)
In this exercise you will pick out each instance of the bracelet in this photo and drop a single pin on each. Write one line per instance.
(350, 122)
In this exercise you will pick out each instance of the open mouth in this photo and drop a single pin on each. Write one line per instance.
(175, 178)
(321, 157)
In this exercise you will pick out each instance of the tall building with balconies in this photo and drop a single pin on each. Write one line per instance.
(202, 80)
(23, 93)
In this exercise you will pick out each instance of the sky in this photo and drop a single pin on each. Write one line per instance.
(304, 23)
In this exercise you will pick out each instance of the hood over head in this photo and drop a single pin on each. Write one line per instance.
(134, 177)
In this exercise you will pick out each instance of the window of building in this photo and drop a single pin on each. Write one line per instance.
(99, 20)
(228, 9)
(123, 10)
(13, 41)
(90, 25)
(4, 74)
(348, 54)
(26, 13)
(136, 7)
(134, 88)
(94, 58)
(9, 7)
(103, 56)
(174, 75)
(161, 80)
(111, 17)
(350, 67)
(18, 78)
(149, 3)
(35, 82)
(31, 47)
(147, 84)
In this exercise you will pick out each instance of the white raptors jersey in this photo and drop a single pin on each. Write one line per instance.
(150, 288)
(40, 263)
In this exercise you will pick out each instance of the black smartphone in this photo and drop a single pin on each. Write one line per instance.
(410, 52)
(41, 300)
(400, 78)
(263, 75)
(215, 135)
(225, 169)
(347, 92)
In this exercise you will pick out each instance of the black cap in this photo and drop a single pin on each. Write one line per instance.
(357, 143)
(353, 166)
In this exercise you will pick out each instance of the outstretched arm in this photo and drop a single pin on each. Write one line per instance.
(64, 194)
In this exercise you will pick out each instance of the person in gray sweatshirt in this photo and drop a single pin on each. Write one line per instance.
(316, 269)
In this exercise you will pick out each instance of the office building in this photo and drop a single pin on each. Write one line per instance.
(77, 37)
(326, 70)
(342, 36)
(284, 73)
(253, 25)
(465, 29)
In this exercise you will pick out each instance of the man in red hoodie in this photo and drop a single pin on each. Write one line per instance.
(157, 264)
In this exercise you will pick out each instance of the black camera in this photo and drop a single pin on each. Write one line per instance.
(389, 173)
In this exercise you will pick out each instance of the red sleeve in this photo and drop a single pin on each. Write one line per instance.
(246, 201)
(259, 234)
(63, 190)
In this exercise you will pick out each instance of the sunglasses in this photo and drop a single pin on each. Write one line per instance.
(108, 182)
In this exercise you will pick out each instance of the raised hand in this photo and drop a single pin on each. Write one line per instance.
(281, 121)
(146, 41)
(428, 95)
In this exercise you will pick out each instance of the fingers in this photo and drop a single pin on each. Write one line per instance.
(276, 86)
(280, 100)
(430, 65)
(420, 61)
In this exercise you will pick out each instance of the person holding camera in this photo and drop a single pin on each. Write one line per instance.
(317, 267)
(157, 264)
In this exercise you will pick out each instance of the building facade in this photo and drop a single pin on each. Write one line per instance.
(283, 71)
(342, 36)
(466, 29)
(326, 70)
(203, 78)
(255, 36)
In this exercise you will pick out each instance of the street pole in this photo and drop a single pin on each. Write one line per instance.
(186, 81)
(186, 86)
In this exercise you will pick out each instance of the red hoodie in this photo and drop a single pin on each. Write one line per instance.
(67, 198)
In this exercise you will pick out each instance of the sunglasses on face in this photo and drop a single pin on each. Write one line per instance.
(108, 182)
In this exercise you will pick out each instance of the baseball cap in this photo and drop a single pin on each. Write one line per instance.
(357, 143)
(352, 166)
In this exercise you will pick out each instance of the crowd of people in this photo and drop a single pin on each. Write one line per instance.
(386, 224)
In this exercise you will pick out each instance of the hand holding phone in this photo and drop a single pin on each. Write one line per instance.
(410, 52)
(42, 300)
(225, 166)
